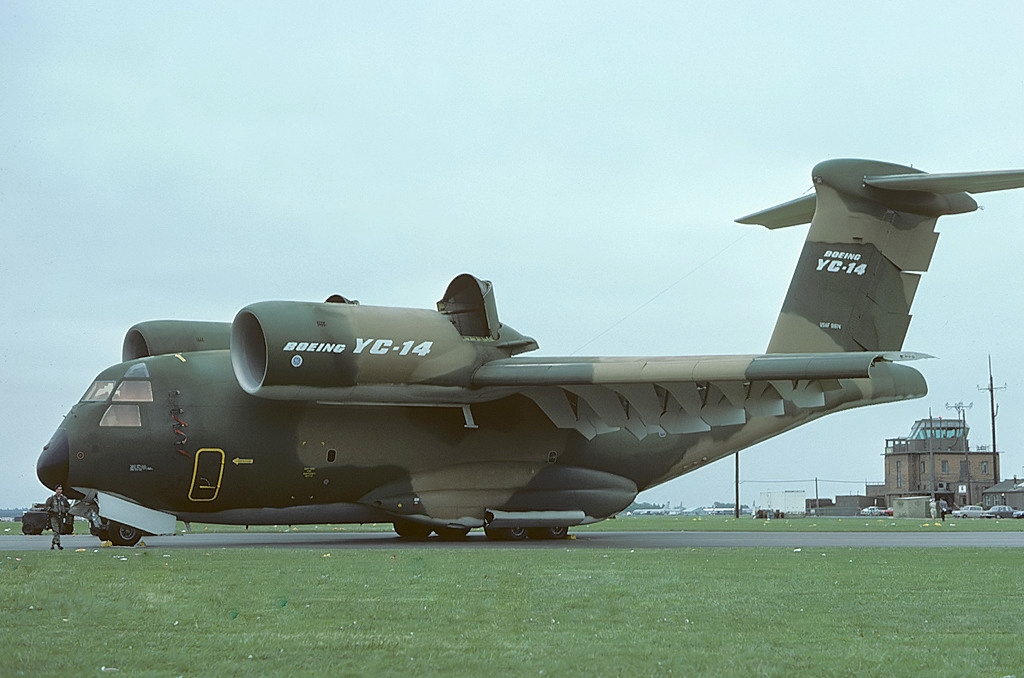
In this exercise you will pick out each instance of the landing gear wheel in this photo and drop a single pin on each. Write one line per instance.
(554, 532)
(506, 533)
(124, 535)
(451, 533)
(406, 529)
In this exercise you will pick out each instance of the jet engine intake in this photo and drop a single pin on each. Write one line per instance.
(347, 353)
(167, 337)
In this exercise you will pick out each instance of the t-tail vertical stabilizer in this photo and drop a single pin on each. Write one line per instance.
(872, 235)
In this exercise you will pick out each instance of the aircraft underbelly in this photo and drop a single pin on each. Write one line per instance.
(462, 494)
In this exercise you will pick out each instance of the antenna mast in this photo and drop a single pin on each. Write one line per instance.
(960, 407)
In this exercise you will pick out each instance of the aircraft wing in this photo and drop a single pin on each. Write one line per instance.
(675, 395)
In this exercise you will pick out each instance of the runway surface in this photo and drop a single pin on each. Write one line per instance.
(586, 540)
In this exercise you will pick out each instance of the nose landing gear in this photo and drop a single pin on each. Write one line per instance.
(116, 533)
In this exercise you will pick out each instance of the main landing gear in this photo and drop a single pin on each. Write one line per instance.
(418, 532)
(521, 533)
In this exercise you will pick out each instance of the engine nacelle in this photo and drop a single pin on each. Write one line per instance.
(346, 353)
(166, 337)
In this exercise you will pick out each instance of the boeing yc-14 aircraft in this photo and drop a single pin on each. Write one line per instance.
(335, 412)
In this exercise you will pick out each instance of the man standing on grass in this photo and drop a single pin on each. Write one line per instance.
(58, 507)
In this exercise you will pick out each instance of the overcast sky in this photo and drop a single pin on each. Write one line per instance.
(182, 160)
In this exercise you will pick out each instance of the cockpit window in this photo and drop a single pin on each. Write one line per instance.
(122, 415)
(134, 392)
(98, 392)
(137, 371)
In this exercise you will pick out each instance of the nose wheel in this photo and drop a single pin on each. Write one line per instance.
(118, 534)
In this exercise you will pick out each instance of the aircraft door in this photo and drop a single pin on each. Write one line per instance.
(207, 474)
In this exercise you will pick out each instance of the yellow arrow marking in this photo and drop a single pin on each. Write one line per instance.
(238, 460)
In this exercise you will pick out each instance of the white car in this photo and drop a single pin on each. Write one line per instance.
(873, 511)
(968, 512)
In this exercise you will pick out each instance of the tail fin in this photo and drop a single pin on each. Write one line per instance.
(872, 235)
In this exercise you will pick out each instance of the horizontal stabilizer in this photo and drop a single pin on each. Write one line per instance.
(954, 182)
(792, 213)
(801, 210)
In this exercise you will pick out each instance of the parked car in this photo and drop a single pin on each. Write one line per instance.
(872, 511)
(1018, 514)
(998, 511)
(968, 512)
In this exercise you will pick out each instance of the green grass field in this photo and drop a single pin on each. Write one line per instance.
(465, 612)
(686, 524)
(820, 524)
(667, 524)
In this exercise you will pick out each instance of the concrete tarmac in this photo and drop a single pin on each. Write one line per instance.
(945, 538)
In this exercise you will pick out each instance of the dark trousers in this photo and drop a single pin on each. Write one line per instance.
(56, 524)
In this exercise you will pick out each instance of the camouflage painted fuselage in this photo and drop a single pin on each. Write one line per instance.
(208, 451)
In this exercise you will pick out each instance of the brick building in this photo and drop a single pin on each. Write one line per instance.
(1009, 493)
(936, 459)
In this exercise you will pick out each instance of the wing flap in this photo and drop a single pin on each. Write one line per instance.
(647, 396)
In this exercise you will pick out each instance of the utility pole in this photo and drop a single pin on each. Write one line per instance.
(736, 509)
(995, 411)
(960, 407)
(931, 448)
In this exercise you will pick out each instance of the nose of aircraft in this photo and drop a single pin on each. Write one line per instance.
(52, 466)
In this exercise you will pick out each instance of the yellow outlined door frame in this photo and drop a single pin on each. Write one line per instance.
(206, 474)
